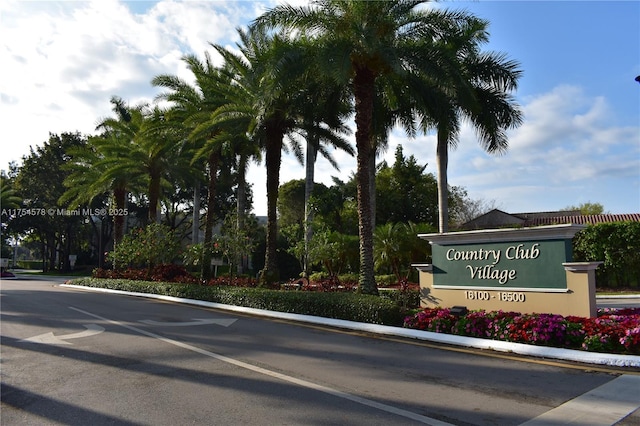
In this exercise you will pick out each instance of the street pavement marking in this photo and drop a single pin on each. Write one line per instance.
(204, 321)
(290, 379)
(52, 339)
(604, 405)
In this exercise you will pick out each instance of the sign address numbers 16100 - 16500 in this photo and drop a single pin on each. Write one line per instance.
(503, 296)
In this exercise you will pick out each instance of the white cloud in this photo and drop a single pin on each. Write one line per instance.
(63, 61)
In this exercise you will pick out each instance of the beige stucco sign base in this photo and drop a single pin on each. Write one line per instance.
(577, 298)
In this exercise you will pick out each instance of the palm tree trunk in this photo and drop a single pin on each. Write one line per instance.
(308, 190)
(213, 162)
(442, 158)
(241, 201)
(372, 186)
(119, 197)
(154, 196)
(363, 86)
(195, 225)
(273, 156)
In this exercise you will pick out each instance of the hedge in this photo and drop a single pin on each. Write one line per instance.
(346, 306)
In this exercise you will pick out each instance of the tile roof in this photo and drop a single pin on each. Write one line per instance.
(583, 219)
(497, 219)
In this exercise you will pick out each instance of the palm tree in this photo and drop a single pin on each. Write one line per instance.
(185, 100)
(96, 169)
(360, 43)
(479, 92)
(160, 155)
(262, 97)
(323, 124)
(315, 146)
(145, 148)
(388, 247)
(245, 151)
(85, 185)
(192, 109)
(8, 197)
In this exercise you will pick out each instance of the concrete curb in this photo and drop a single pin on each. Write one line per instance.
(613, 360)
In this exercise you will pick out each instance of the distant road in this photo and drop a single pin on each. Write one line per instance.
(618, 301)
(76, 357)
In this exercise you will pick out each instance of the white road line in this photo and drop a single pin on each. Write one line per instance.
(204, 321)
(290, 379)
(604, 405)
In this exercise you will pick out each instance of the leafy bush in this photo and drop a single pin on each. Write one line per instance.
(385, 280)
(318, 276)
(233, 281)
(145, 247)
(29, 264)
(613, 331)
(164, 272)
(406, 298)
(615, 244)
(348, 278)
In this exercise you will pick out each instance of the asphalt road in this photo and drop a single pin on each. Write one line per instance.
(618, 302)
(79, 358)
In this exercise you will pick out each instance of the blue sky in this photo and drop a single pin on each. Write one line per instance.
(580, 141)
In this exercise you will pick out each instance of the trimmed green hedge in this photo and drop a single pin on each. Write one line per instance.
(346, 306)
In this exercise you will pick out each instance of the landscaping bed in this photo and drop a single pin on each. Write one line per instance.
(615, 331)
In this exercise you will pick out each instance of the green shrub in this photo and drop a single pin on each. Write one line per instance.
(615, 244)
(409, 299)
(348, 278)
(385, 280)
(146, 247)
(318, 276)
(29, 264)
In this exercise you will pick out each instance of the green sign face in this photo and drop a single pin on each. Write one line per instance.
(510, 265)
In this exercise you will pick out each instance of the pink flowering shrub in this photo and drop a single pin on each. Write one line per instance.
(613, 331)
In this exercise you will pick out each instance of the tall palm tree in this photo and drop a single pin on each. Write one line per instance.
(261, 96)
(193, 107)
(162, 156)
(244, 150)
(314, 145)
(361, 42)
(102, 161)
(146, 148)
(324, 114)
(185, 100)
(477, 89)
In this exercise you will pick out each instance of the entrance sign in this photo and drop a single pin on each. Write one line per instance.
(493, 269)
(517, 265)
